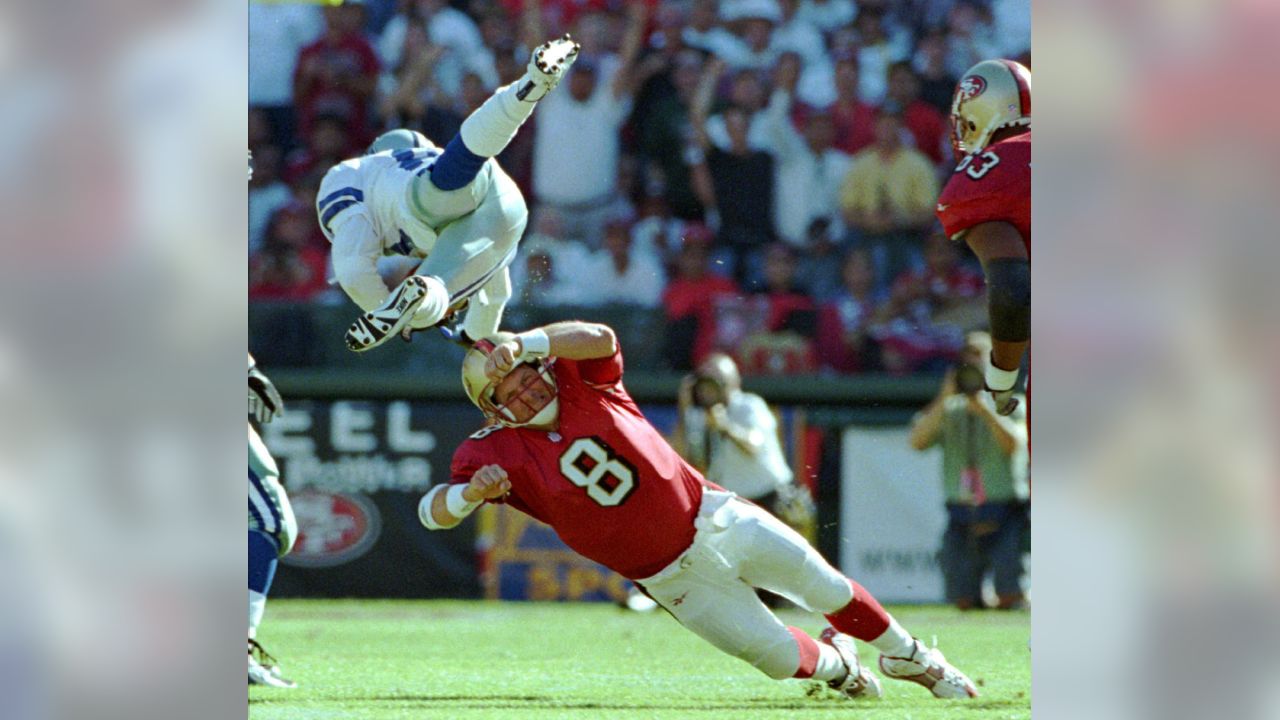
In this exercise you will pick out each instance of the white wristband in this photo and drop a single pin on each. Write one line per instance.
(999, 379)
(534, 344)
(457, 505)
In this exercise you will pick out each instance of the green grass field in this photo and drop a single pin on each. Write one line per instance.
(465, 660)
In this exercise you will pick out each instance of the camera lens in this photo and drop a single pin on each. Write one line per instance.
(969, 379)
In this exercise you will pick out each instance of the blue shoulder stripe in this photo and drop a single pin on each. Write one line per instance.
(334, 209)
(344, 192)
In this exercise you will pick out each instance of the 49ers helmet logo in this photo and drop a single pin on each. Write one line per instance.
(333, 528)
(972, 86)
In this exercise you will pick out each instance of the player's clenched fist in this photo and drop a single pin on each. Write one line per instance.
(489, 482)
(502, 360)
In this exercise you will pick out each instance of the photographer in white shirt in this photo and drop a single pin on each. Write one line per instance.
(732, 437)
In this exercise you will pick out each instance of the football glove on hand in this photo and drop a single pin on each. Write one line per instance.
(265, 402)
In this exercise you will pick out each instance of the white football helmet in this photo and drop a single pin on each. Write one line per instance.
(479, 387)
(993, 94)
(398, 139)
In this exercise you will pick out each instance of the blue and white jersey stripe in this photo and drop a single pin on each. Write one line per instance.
(376, 187)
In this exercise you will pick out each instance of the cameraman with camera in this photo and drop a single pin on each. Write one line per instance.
(731, 436)
(984, 472)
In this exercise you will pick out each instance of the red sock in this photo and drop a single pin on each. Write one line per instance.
(808, 652)
(862, 618)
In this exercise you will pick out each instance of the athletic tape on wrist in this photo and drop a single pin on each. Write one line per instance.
(534, 344)
(999, 379)
(457, 505)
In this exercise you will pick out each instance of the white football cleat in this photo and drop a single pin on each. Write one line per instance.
(859, 682)
(263, 669)
(375, 327)
(550, 62)
(926, 666)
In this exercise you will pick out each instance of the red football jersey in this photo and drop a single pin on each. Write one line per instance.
(606, 481)
(994, 184)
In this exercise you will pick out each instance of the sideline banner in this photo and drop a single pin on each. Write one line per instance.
(892, 515)
(354, 471)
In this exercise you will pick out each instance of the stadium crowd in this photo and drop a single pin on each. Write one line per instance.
(764, 172)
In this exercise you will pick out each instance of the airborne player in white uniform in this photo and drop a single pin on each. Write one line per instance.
(454, 207)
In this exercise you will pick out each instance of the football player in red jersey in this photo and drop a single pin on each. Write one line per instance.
(987, 202)
(568, 446)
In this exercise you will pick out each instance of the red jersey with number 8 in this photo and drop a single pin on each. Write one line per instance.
(991, 185)
(606, 481)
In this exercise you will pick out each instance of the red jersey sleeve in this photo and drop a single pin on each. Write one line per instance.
(992, 185)
(599, 373)
(472, 455)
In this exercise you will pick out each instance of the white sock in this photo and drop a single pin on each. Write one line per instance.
(488, 130)
(895, 641)
(433, 306)
(257, 606)
(830, 665)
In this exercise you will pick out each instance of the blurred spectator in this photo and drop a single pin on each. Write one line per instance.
(754, 22)
(818, 268)
(927, 126)
(877, 50)
(1012, 21)
(808, 170)
(748, 94)
(665, 134)
(458, 47)
(854, 119)
(790, 323)
(736, 184)
(705, 32)
(336, 75)
(558, 16)
(328, 144)
(290, 265)
(937, 84)
(277, 34)
(552, 272)
(929, 310)
(845, 342)
(267, 193)
(827, 15)
(970, 37)
(622, 273)
(888, 196)
(797, 35)
(689, 300)
(577, 136)
(408, 92)
(984, 474)
(662, 234)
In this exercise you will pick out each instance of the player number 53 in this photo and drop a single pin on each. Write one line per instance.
(591, 464)
(975, 166)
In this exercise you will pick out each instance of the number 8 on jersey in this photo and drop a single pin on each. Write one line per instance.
(591, 464)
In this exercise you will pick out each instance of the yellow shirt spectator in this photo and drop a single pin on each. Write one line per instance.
(889, 186)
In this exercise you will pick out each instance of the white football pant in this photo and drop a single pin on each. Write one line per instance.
(711, 588)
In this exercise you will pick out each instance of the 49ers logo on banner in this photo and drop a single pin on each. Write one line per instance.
(972, 86)
(333, 528)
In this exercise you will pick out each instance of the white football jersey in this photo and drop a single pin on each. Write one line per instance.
(377, 187)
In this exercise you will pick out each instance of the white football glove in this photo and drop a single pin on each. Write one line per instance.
(265, 402)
